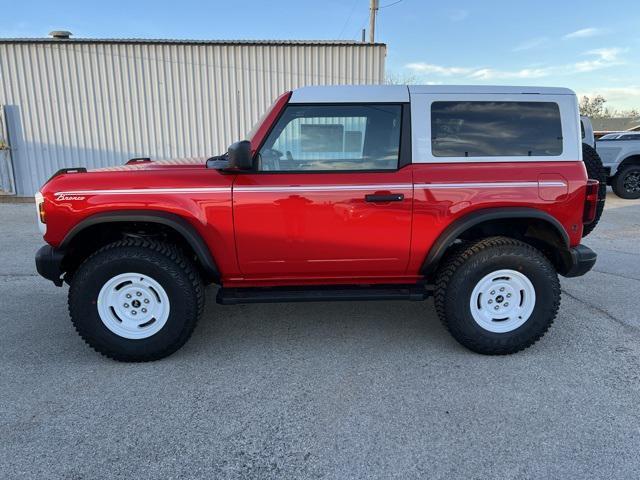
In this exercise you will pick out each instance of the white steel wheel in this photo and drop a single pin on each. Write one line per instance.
(502, 301)
(133, 306)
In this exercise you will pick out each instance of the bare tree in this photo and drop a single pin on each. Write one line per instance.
(401, 79)
(593, 107)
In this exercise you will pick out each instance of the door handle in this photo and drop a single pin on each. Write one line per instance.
(392, 197)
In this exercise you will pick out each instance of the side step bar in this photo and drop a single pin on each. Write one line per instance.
(235, 296)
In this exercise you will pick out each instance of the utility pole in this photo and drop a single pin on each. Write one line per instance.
(373, 6)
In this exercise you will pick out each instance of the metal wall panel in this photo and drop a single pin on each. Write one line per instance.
(96, 104)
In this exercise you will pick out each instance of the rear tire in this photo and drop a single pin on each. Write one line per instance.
(497, 296)
(626, 183)
(595, 170)
(136, 300)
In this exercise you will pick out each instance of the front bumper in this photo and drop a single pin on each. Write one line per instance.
(580, 260)
(49, 263)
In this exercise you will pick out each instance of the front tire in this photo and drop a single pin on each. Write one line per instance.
(626, 183)
(136, 300)
(497, 296)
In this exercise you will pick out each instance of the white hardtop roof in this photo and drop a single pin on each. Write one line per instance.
(401, 93)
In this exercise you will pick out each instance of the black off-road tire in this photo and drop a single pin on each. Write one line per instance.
(461, 271)
(163, 262)
(595, 170)
(620, 182)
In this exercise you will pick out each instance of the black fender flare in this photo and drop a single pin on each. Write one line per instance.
(171, 220)
(459, 226)
(631, 159)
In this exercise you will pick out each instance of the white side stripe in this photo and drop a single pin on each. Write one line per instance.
(323, 188)
(146, 191)
(436, 186)
(314, 188)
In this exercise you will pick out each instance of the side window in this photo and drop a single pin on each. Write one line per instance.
(333, 137)
(495, 129)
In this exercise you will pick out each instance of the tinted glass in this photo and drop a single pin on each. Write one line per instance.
(334, 137)
(495, 129)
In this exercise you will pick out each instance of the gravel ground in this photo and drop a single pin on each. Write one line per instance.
(325, 390)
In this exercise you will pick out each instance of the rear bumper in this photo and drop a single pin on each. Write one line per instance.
(49, 263)
(580, 260)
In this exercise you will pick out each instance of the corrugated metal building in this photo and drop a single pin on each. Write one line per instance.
(94, 103)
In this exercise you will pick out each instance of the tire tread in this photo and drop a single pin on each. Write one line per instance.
(617, 183)
(173, 254)
(595, 170)
(455, 259)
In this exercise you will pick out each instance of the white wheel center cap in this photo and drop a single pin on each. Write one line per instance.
(502, 301)
(133, 305)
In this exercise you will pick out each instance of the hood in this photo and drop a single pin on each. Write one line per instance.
(165, 174)
(191, 162)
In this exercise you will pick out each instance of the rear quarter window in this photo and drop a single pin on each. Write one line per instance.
(495, 129)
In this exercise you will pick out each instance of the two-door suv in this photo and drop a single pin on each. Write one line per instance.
(475, 195)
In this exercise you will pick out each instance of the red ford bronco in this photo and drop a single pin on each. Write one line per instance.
(475, 195)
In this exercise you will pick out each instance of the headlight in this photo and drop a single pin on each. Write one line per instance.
(42, 217)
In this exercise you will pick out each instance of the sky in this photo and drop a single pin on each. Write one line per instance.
(590, 46)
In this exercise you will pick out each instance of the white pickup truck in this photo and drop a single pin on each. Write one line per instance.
(620, 154)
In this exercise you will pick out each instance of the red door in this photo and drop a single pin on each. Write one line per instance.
(327, 198)
(314, 225)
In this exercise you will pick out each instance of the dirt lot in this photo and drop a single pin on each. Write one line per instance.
(342, 390)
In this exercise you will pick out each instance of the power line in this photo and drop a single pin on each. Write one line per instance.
(364, 23)
(353, 9)
(390, 4)
(374, 8)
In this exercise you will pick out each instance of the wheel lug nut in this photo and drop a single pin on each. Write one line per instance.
(146, 300)
(128, 295)
(506, 304)
(493, 292)
(496, 307)
(126, 305)
(490, 301)
(133, 312)
(139, 294)
(144, 310)
(508, 295)
(502, 289)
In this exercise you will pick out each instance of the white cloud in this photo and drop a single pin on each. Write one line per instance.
(601, 58)
(617, 97)
(608, 54)
(531, 43)
(492, 74)
(605, 57)
(476, 73)
(458, 14)
(584, 33)
(422, 67)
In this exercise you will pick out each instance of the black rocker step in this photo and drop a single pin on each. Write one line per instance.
(234, 296)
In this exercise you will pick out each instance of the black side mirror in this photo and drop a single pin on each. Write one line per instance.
(239, 155)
